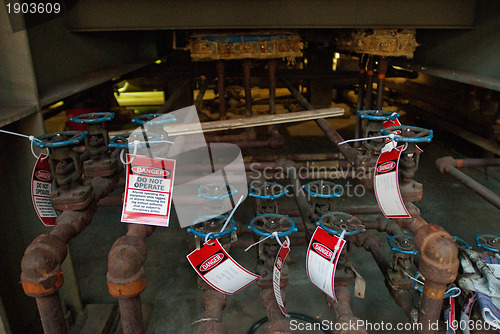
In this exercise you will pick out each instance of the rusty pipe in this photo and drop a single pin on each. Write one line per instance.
(41, 275)
(247, 66)
(126, 277)
(221, 88)
(201, 92)
(383, 62)
(343, 312)
(350, 153)
(369, 83)
(272, 85)
(214, 302)
(277, 322)
(450, 165)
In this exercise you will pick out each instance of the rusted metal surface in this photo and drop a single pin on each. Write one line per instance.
(370, 67)
(450, 165)
(214, 302)
(249, 45)
(51, 314)
(247, 67)
(383, 62)
(380, 42)
(131, 315)
(277, 322)
(41, 275)
(126, 277)
(272, 85)
(221, 88)
(343, 312)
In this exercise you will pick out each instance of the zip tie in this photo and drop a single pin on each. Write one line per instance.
(459, 291)
(278, 238)
(30, 138)
(274, 234)
(206, 238)
(391, 135)
(413, 278)
(287, 240)
(136, 144)
(231, 214)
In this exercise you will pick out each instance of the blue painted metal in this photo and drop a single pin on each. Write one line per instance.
(93, 118)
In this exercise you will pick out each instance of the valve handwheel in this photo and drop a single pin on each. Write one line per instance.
(211, 225)
(489, 242)
(336, 222)
(409, 134)
(93, 118)
(377, 115)
(126, 140)
(402, 244)
(266, 224)
(323, 189)
(215, 191)
(267, 190)
(60, 139)
(155, 119)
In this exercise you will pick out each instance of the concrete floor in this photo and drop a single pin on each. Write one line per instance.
(172, 288)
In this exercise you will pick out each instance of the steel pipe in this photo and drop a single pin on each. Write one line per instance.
(383, 62)
(450, 165)
(369, 83)
(343, 312)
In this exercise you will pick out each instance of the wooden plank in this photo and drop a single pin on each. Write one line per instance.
(231, 124)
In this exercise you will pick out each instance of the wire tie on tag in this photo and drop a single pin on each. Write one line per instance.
(287, 240)
(122, 159)
(391, 135)
(261, 240)
(277, 238)
(207, 238)
(231, 214)
(32, 138)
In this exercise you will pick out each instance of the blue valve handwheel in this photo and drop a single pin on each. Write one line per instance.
(272, 221)
(418, 135)
(216, 191)
(323, 189)
(266, 190)
(377, 115)
(93, 118)
(121, 141)
(64, 139)
(489, 242)
(152, 119)
(211, 236)
(402, 246)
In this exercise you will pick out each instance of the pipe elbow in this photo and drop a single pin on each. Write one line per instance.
(438, 254)
(41, 266)
(126, 259)
(444, 164)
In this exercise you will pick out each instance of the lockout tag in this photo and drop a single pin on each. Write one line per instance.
(278, 265)
(148, 191)
(218, 269)
(386, 185)
(469, 302)
(41, 187)
(321, 260)
(450, 317)
(391, 144)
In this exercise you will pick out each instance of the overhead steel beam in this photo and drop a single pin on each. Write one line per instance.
(95, 15)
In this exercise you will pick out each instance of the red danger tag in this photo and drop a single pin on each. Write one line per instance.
(278, 266)
(386, 185)
(148, 191)
(41, 187)
(218, 269)
(322, 258)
